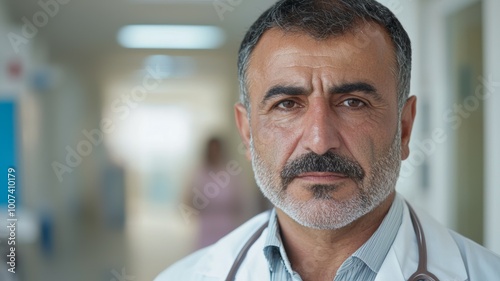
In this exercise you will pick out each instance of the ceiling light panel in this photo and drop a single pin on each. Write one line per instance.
(171, 37)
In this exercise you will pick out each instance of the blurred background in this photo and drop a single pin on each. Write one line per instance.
(126, 154)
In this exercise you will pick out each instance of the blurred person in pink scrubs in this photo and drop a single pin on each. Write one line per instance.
(222, 196)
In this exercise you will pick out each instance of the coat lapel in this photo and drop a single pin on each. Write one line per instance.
(444, 258)
(255, 266)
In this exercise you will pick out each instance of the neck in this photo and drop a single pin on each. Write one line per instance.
(317, 254)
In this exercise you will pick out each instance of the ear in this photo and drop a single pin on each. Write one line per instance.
(407, 119)
(243, 124)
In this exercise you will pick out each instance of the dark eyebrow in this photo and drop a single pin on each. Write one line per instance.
(283, 90)
(347, 88)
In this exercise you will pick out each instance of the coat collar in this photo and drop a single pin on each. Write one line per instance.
(443, 255)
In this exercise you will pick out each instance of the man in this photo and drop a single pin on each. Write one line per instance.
(326, 114)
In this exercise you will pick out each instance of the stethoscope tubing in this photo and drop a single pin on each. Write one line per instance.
(422, 274)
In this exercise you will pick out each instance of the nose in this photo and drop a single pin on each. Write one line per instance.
(320, 127)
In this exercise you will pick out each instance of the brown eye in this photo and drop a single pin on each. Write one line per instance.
(353, 103)
(287, 104)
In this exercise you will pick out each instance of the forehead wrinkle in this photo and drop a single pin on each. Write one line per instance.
(315, 66)
(294, 59)
(302, 54)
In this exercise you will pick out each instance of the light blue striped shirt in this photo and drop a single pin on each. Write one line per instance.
(364, 264)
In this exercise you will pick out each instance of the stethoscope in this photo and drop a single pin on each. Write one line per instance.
(422, 274)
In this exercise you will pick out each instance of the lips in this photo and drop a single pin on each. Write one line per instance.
(321, 176)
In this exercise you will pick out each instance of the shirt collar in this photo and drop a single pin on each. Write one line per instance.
(273, 245)
(372, 252)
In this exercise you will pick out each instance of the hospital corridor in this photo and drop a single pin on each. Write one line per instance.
(119, 150)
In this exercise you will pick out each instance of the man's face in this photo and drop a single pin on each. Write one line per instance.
(325, 137)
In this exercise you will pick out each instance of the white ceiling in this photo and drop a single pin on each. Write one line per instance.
(89, 27)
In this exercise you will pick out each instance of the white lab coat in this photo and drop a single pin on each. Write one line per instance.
(451, 257)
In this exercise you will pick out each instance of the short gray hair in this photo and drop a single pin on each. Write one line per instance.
(322, 19)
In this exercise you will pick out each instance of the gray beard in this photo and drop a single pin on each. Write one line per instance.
(323, 211)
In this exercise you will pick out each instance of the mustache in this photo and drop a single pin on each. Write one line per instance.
(328, 162)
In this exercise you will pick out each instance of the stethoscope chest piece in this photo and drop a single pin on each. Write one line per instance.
(427, 276)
